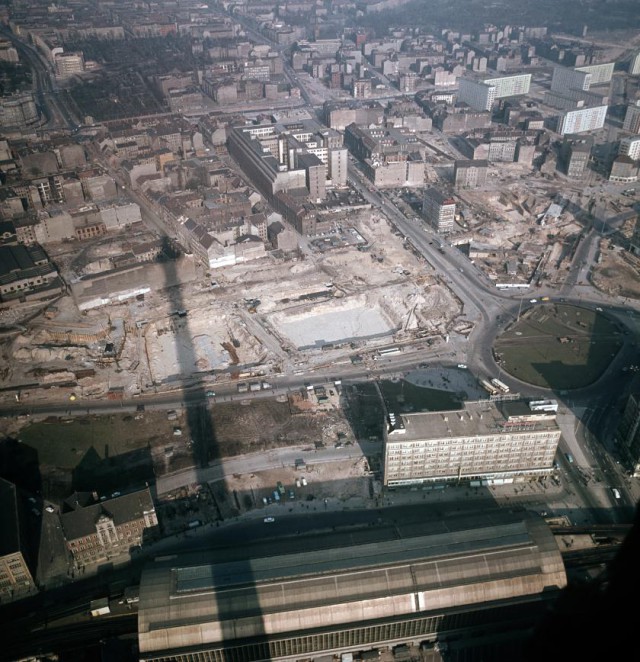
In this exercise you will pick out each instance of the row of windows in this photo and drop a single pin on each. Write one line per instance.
(462, 445)
(443, 457)
(303, 645)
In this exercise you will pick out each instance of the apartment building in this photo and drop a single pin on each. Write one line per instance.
(470, 174)
(485, 442)
(476, 94)
(480, 94)
(570, 79)
(632, 118)
(584, 119)
(600, 73)
(630, 147)
(574, 155)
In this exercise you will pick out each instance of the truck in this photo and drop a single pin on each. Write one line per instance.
(280, 487)
(254, 386)
(99, 607)
(242, 388)
(266, 385)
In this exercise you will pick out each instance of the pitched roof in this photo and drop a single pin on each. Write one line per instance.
(122, 509)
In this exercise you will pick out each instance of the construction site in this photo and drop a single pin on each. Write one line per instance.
(270, 316)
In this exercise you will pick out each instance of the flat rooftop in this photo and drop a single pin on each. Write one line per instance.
(479, 418)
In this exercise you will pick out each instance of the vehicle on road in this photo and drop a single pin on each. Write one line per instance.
(268, 520)
(616, 492)
(50, 509)
(462, 366)
(569, 458)
(211, 394)
(500, 385)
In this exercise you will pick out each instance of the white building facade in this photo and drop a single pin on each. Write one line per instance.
(486, 442)
(630, 147)
(581, 120)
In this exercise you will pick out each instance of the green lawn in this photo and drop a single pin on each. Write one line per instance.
(559, 346)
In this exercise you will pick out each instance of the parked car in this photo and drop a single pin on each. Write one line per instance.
(268, 520)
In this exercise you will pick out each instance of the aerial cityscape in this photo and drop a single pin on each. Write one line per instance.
(319, 330)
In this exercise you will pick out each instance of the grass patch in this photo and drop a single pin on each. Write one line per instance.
(559, 346)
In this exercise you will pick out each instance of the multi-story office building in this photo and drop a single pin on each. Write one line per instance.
(630, 147)
(570, 79)
(485, 441)
(632, 118)
(439, 210)
(470, 174)
(600, 73)
(634, 64)
(628, 432)
(584, 119)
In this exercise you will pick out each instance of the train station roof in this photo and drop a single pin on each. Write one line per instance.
(451, 562)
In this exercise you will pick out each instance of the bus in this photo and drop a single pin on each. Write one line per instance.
(490, 388)
(500, 385)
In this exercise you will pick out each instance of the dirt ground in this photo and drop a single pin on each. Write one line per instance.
(215, 329)
(71, 453)
(617, 273)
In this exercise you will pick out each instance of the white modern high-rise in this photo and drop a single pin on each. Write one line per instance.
(485, 441)
(634, 65)
(510, 86)
(583, 119)
(480, 94)
(600, 73)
